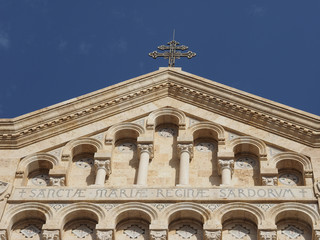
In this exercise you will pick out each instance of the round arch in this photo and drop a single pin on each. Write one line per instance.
(186, 210)
(303, 160)
(25, 162)
(132, 210)
(294, 210)
(243, 210)
(27, 210)
(215, 129)
(67, 151)
(166, 111)
(78, 210)
(111, 134)
(259, 147)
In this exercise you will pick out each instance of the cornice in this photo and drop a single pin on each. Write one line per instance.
(247, 108)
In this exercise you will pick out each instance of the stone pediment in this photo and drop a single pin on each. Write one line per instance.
(166, 83)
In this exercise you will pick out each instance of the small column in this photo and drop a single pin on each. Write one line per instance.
(50, 235)
(104, 234)
(146, 153)
(268, 234)
(103, 169)
(317, 234)
(212, 234)
(158, 234)
(225, 170)
(185, 151)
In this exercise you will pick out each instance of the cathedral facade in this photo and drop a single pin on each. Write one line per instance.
(164, 156)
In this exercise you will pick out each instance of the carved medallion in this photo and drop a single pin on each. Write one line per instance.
(82, 231)
(292, 232)
(41, 180)
(126, 147)
(186, 231)
(30, 231)
(288, 179)
(167, 132)
(245, 162)
(239, 232)
(205, 147)
(85, 163)
(134, 231)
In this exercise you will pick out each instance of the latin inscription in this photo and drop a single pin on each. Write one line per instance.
(195, 194)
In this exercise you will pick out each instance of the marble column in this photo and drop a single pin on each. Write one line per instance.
(226, 170)
(104, 234)
(212, 234)
(185, 151)
(146, 153)
(50, 235)
(158, 234)
(268, 234)
(103, 169)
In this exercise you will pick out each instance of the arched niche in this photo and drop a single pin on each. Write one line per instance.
(293, 168)
(207, 137)
(80, 221)
(248, 152)
(36, 167)
(166, 115)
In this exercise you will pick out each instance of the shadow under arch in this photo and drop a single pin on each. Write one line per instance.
(212, 130)
(186, 210)
(240, 210)
(68, 151)
(303, 160)
(86, 211)
(132, 210)
(166, 115)
(114, 133)
(31, 162)
(27, 211)
(296, 211)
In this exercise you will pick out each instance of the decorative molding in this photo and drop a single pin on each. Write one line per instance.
(57, 181)
(268, 235)
(104, 234)
(50, 235)
(269, 181)
(239, 231)
(212, 96)
(212, 234)
(292, 232)
(158, 234)
(186, 231)
(82, 231)
(30, 231)
(134, 231)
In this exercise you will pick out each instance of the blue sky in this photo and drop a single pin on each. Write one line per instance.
(54, 50)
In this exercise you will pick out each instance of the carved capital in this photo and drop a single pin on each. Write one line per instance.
(317, 234)
(50, 235)
(268, 235)
(212, 235)
(19, 174)
(103, 164)
(269, 181)
(104, 234)
(188, 148)
(225, 164)
(158, 234)
(65, 157)
(3, 235)
(57, 181)
(148, 148)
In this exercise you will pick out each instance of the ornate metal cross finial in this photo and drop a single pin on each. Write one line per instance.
(172, 54)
